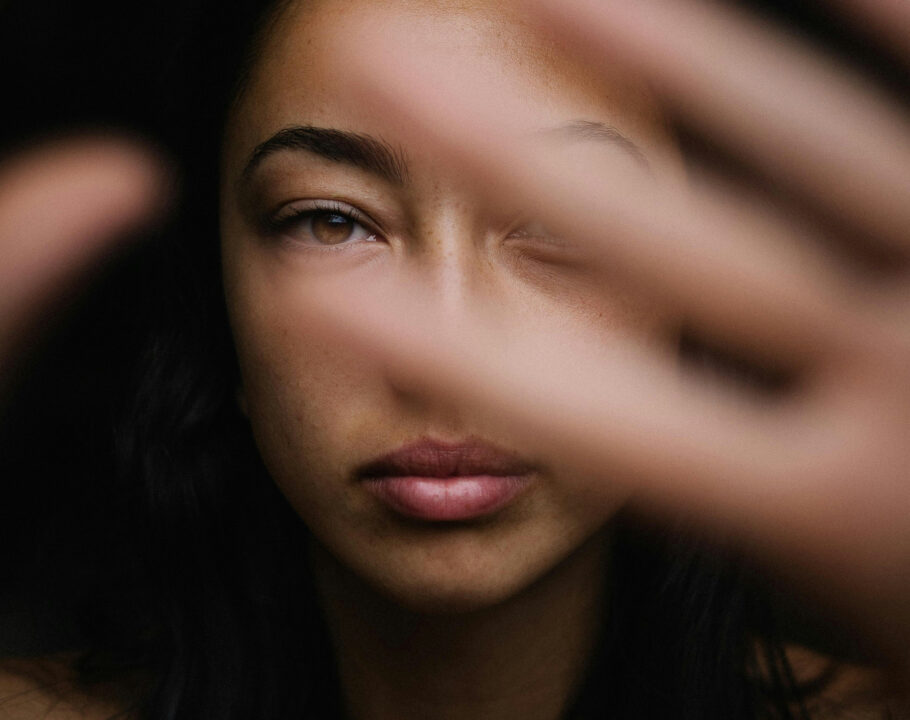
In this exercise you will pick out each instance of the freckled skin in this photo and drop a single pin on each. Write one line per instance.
(316, 410)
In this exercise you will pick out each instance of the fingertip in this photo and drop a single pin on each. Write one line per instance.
(64, 203)
(116, 180)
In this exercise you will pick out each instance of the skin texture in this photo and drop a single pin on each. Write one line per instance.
(366, 623)
(317, 410)
(447, 606)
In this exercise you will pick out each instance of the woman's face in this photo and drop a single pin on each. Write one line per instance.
(425, 500)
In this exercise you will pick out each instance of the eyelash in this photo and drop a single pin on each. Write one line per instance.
(280, 222)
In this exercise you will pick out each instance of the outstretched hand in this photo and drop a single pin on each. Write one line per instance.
(814, 478)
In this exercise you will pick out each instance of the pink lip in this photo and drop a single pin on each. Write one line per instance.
(433, 480)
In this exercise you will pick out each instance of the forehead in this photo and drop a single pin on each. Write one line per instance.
(299, 77)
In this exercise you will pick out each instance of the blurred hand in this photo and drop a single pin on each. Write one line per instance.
(61, 206)
(813, 480)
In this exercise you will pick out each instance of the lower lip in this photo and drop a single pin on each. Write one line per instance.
(452, 498)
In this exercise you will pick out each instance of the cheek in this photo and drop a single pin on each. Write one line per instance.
(308, 401)
(312, 409)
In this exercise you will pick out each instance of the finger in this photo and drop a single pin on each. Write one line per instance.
(765, 97)
(60, 206)
(785, 483)
(614, 414)
(734, 268)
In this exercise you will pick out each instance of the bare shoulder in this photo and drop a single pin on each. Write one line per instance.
(846, 691)
(45, 689)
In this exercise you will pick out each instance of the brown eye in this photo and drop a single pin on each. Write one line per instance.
(332, 228)
(320, 226)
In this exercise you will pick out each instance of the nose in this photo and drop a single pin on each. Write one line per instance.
(452, 258)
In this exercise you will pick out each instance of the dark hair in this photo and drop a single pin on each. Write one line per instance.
(150, 540)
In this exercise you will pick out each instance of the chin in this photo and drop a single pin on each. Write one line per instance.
(452, 579)
(453, 569)
(452, 595)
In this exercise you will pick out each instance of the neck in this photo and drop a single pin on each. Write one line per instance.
(522, 658)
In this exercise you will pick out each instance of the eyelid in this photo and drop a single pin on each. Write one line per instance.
(280, 221)
(537, 231)
(535, 243)
(529, 228)
(276, 221)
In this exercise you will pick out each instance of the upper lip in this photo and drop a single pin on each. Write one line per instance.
(437, 459)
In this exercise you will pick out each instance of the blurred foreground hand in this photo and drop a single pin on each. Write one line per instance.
(812, 480)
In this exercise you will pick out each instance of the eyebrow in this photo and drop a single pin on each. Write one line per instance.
(368, 153)
(589, 130)
(381, 159)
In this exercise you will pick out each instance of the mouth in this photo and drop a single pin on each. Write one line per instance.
(437, 481)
